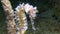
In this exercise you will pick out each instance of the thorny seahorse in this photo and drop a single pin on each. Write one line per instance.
(21, 21)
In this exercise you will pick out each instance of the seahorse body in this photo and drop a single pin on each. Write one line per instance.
(21, 21)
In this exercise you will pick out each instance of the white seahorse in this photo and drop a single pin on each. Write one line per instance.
(29, 9)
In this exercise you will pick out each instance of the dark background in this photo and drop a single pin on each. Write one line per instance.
(47, 20)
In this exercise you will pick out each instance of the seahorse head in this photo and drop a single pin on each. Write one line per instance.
(29, 9)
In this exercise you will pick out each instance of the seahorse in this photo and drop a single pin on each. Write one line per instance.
(21, 24)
